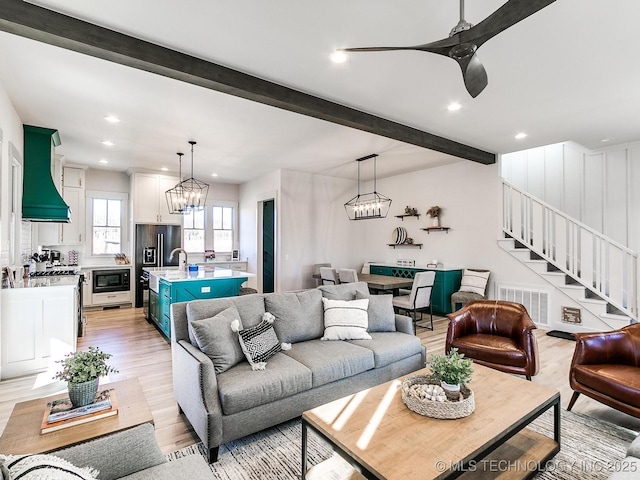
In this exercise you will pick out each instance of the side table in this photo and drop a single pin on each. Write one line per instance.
(22, 433)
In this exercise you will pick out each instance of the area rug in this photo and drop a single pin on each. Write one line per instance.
(590, 450)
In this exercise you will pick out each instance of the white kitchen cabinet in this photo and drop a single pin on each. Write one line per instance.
(149, 199)
(111, 298)
(73, 193)
(38, 327)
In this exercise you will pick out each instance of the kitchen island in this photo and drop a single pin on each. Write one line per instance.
(169, 285)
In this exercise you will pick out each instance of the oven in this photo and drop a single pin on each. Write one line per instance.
(113, 280)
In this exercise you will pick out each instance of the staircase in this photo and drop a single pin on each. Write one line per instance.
(594, 271)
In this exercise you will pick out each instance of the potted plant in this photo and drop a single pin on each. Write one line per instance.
(452, 369)
(434, 213)
(82, 371)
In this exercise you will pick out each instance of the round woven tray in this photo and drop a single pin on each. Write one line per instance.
(458, 405)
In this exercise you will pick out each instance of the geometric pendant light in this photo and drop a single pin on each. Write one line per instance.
(188, 195)
(367, 205)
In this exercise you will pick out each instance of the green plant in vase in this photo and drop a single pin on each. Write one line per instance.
(82, 371)
(452, 369)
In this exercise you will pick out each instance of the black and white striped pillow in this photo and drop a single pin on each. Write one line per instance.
(39, 466)
(258, 343)
(346, 319)
(474, 281)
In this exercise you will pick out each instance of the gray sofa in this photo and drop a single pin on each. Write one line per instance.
(629, 468)
(133, 454)
(223, 406)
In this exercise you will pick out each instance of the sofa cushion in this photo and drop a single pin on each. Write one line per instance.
(241, 388)
(344, 291)
(258, 343)
(215, 338)
(298, 315)
(331, 361)
(191, 466)
(250, 308)
(41, 466)
(382, 318)
(390, 347)
(345, 319)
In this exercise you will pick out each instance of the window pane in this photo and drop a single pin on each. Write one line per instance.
(106, 240)
(227, 218)
(217, 217)
(223, 240)
(194, 240)
(114, 213)
(99, 212)
(187, 220)
(198, 219)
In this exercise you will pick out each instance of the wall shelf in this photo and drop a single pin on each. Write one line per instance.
(401, 217)
(394, 245)
(437, 229)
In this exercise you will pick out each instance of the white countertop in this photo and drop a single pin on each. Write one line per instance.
(50, 281)
(441, 268)
(172, 274)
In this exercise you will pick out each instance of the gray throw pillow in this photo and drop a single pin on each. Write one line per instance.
(215, 338)
(344, 291)
(382, 317)
(299, 315)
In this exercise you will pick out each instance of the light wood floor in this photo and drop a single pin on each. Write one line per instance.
(140, 351)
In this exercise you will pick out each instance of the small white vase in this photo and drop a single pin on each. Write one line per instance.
(435, 222)
(449, 387)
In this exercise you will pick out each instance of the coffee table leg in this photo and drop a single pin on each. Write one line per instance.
(304, 449)
(556, 422)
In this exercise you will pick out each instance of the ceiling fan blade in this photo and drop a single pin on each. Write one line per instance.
(506, 16)
(375, 49)
(473, 74)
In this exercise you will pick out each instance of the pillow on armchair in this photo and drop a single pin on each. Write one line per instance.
(474, 281)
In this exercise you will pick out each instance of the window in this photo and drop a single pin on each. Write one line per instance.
(193, 231)
(223, 233)
(106, 226)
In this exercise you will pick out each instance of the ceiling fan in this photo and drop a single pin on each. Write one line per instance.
(465, 39)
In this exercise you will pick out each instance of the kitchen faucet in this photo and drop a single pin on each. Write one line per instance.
(182, 266)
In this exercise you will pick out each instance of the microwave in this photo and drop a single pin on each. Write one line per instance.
(114, 280)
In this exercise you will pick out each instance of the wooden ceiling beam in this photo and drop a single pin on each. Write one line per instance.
(24, 19)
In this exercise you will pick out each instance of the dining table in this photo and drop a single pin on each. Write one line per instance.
(385, 283)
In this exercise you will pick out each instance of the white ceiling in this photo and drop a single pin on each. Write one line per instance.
(565, 73)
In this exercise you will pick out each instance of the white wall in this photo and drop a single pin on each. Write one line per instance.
(596, 187)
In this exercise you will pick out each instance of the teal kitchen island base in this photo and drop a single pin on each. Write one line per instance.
(178, 286)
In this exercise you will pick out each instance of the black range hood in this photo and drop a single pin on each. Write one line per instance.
(41, 201)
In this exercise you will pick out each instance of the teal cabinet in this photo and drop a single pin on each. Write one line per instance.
(446, 283)
(187, 290)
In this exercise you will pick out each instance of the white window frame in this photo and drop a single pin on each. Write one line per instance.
(204, 228)
(91, 195)
(233, 205)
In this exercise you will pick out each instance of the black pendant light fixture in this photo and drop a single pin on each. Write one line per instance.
(368, 205)
(188, 195)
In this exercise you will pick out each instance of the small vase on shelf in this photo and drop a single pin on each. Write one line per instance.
(435, 222)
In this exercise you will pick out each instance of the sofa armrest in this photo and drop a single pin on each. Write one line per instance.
(119, 454)
(195, 388)
(404, 324)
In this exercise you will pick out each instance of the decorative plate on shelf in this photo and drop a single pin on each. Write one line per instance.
(399, 235)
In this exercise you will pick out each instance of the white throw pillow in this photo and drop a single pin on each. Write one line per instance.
(42, 466)
(346, 319)
(475, 282)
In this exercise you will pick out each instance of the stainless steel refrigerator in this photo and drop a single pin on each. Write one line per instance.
(153, 245)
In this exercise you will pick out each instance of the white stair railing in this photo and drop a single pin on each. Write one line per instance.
(597, 262)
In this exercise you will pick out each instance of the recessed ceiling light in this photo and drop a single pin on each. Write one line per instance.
(108, 143)
(454, 106)
(103, 161)
(607, 140)
(520, 136)
(214, 174)
(112, 119)
(339, 56)
(164, 169)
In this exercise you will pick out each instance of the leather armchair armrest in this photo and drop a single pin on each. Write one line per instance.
(461, 323)
(604, 347)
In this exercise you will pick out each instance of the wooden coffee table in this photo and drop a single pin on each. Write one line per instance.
(375, 432)
(22, 433)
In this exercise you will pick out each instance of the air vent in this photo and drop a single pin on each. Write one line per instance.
(534, 300)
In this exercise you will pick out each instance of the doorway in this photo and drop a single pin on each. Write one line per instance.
(268, 246)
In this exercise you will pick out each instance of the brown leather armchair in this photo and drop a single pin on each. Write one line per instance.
(497, 334)
(606, 367)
